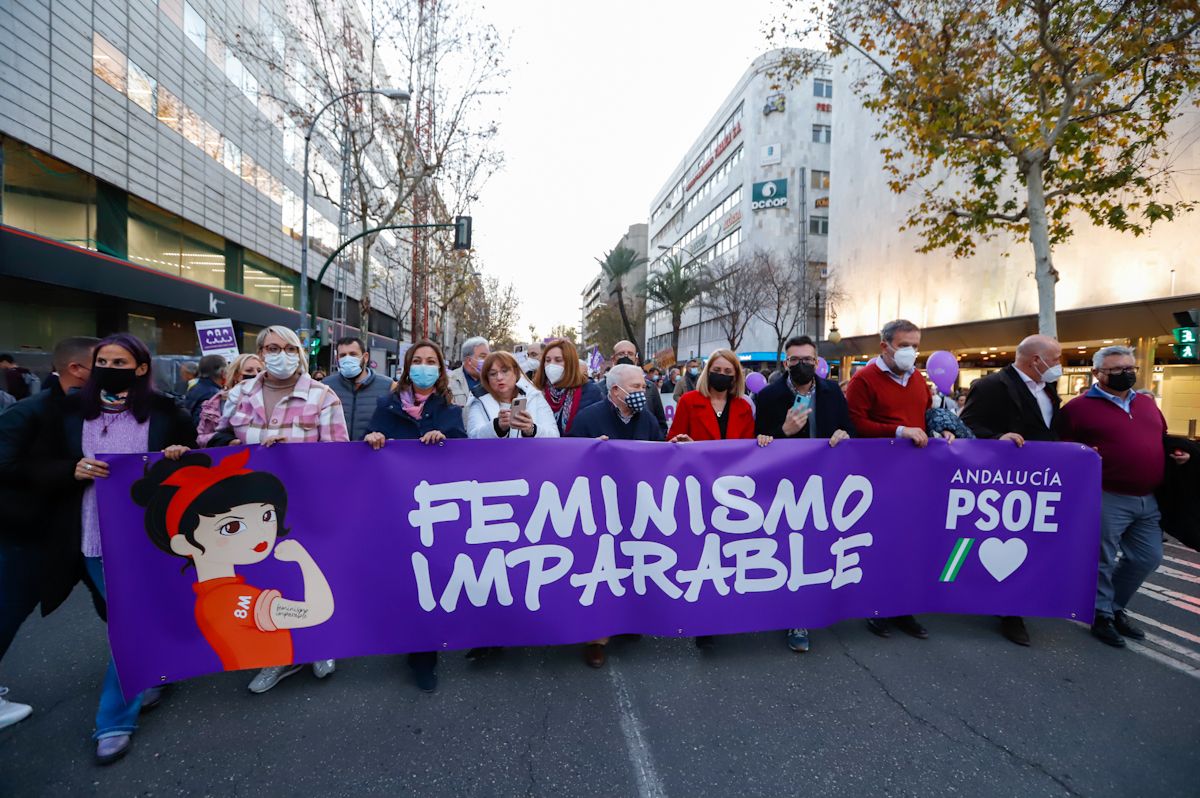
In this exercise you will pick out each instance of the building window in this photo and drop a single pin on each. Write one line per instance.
(108, 63)
(822, 87)
(163, 241)
(266, 281)
(818, 225)
(170, 110)
(820, 180)
(194, 27)
(231, 157)
(46, 196)
(143, 89)
(822, 134)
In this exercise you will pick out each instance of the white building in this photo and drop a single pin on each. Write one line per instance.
(599, 291)
(756, 177)
(1114, 287)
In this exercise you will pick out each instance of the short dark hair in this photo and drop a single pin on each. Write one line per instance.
(77, 349)
(212, 367)
(346, 340)
(5, 357)
(799, 340)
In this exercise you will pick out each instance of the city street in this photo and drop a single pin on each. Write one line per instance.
(964, 713)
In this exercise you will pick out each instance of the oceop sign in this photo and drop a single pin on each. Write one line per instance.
(769, 194)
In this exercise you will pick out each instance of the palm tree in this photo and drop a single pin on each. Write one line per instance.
(673, 288)
(617, 265)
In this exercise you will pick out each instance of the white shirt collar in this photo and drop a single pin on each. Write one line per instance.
(1032, 384)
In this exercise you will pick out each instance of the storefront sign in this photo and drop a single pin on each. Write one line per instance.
(771, 155)
(572, 540)
(822, 202)
(731, 220)
(826, 107)
(769, 194)
(217, 337)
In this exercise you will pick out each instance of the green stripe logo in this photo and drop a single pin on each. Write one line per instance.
(958, 555)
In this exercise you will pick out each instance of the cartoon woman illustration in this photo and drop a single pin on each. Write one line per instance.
(219, 517)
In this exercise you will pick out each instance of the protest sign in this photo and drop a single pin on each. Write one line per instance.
(562, 541)
(217, 337)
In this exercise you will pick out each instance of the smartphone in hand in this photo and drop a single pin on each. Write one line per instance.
(803, 402)
(520, 404)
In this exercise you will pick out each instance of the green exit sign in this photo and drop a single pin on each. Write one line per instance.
(1186, 335)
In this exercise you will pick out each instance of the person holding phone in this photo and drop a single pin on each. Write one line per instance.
(802, 405)
(509, 407)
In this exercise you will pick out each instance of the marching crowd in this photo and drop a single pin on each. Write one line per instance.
(100, 399)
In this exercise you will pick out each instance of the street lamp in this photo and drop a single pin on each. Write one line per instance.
(391, 94)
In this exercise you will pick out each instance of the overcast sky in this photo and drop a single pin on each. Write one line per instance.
(604, 100)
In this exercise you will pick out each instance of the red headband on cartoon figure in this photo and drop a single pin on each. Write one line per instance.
(194, 480)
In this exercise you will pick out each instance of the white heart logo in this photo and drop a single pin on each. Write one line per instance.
(1002, 557)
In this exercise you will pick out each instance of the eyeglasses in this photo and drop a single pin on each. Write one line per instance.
(795, 361)
(494, 373)
(1113, 372)
(275, 349)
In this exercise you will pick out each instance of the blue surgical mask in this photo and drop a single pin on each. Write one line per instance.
(694, 372)
(423, 376)
(350, 367)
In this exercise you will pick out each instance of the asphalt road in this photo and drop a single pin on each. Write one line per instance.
(963, 713)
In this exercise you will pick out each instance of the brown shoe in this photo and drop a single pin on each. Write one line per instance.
(593, 655)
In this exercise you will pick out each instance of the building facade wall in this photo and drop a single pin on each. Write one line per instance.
(782, 134)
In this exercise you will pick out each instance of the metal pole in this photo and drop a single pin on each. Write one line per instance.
(394, 94)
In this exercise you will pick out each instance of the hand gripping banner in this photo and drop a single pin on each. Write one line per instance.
(247, 557)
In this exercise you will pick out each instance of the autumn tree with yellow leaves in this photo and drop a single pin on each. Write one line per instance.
(1010, 115)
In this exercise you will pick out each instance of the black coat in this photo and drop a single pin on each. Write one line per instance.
(39, 453)
(1179, 495)
(1000, 403)
(772, 404)
(201, 392)
(654, 407)
(440, 415)
(603, 418)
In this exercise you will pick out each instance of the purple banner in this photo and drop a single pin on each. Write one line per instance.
(276, 555)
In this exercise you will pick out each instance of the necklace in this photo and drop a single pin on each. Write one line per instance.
(106, 423)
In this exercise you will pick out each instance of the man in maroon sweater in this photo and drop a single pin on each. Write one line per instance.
(888, 399)
(1127, 429)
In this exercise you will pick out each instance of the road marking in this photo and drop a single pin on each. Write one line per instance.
(1174, 648)
(1154, 594)
(648, 783)
(1184, 549)
(1163, 659)
(1175, 594)
(1171, 629)
(1177, 561)
(1177, 574)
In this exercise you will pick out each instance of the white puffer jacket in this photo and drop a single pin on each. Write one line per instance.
(483, 410)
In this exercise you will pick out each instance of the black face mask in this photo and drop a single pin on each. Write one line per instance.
(1121, 382)
(628, 361)
(802, 373)
(115, 381)
(720, 382)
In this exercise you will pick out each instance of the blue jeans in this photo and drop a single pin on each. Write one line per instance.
(1128, 525)
(114, 716)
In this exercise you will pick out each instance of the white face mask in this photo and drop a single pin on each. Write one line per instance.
(281, 365)
(554, 372)
(905, 357)
(1052, 374)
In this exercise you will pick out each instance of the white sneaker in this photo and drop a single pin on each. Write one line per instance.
(269, 677)
(324, 667)
(12, 712)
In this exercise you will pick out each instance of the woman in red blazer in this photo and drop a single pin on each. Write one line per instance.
(718, 409)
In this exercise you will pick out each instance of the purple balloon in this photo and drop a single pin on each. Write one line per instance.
(822, 368)
(755, 381)
(942, 368)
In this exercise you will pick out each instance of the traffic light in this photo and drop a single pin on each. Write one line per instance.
(462, 232)
(314, 345)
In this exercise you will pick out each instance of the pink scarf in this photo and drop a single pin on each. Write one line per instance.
(413, 405)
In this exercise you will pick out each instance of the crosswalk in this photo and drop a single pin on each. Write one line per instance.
(1168, 608)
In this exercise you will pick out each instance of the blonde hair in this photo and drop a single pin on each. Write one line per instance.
(739, 377)
(233, 372)
(289, 337)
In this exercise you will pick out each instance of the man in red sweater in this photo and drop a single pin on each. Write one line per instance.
(888, 399)
(1127, 429)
